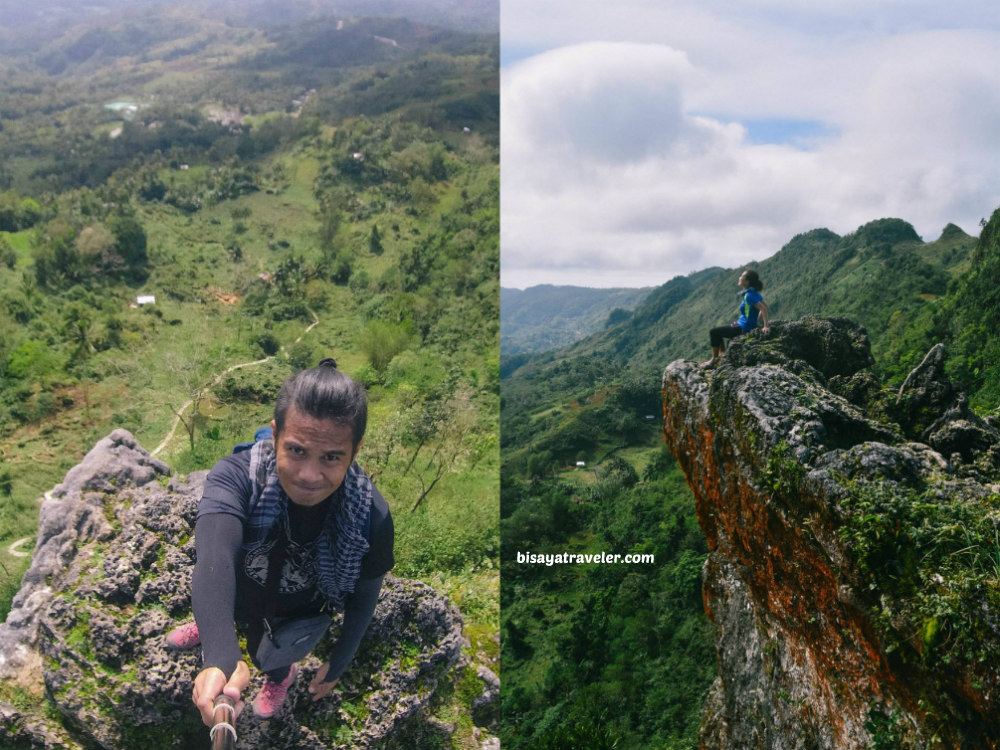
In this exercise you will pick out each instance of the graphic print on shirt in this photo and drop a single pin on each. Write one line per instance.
(297, 574)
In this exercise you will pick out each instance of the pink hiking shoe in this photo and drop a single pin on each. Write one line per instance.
(184, 636)
(272, 696)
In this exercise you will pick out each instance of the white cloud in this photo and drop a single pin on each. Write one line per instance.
(614, 103)
(609, 178)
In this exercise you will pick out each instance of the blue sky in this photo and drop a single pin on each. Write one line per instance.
(649, 138)
(800, 133)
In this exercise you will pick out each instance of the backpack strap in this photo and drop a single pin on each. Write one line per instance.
(272, 584)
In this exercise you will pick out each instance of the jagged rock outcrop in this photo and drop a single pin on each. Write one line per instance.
(936, 411)
(854, 546)
(111, 575)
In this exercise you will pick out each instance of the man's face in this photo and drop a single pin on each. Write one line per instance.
(313, 456)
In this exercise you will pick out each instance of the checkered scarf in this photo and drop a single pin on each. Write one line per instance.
(342, 542)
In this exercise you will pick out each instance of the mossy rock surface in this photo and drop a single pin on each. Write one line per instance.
(112, 575)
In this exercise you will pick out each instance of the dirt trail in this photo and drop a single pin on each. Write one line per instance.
(217, 379)
(13, 550)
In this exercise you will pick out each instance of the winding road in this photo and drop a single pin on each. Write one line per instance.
(218, 378)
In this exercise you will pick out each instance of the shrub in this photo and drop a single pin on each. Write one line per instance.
(268, 344)
(33, 359)
(381, 341)
(258, 385)
(8, 256)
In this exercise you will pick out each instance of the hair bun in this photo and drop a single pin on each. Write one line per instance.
(328, 362)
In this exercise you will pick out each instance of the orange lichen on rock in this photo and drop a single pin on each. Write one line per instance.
(769, 453)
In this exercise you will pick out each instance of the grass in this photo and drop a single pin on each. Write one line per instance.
(21, 242)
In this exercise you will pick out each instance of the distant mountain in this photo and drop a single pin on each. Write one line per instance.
(47, 17)
(881, 276)
(548, 317)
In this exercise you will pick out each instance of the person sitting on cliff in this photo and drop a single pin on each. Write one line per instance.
(751, 307)
(288, 531)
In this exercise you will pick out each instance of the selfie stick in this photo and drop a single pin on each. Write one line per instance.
(223, 732)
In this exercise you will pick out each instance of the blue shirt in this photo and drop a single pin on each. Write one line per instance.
(748, 312)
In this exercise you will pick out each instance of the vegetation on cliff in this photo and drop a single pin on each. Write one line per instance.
(852, 544)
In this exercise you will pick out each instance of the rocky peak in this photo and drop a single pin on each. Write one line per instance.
(82, 654)
(952, 232)
(852, 536)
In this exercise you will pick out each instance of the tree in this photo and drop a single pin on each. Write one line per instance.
(18, 213)
(375, 241)
(192, 375)
(617, 469)
(96, 246)
(57, 261)
(268, 343)
(8, 256)
(77, 327)
(331, 214)
(382, 341)
(618, 315)
(130, 245)
(77, 330)
(540, 465)
(457, 439)
(29, 212)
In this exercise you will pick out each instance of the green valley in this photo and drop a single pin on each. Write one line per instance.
(195, 203)
(549, 317)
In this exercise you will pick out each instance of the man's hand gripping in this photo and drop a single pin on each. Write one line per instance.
(211, 682)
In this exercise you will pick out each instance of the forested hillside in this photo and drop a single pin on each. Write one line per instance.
(549, 317)
(597, 403)
(963, 322)
(282, 192)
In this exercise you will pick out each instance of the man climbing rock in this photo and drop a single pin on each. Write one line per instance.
(288, 531)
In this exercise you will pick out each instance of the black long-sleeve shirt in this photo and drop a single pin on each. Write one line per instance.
(229, 585)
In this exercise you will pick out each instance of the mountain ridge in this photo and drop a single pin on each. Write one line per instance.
(884, 258)
(548, 316)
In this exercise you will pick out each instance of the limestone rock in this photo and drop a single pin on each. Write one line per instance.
(848, 576)
(825, 346)
(486, 707)
(933, 409)
(112, 574)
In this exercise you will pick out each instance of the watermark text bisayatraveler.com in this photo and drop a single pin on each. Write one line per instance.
(569, 558)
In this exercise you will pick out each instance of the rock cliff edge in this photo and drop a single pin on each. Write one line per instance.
(854, 538)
